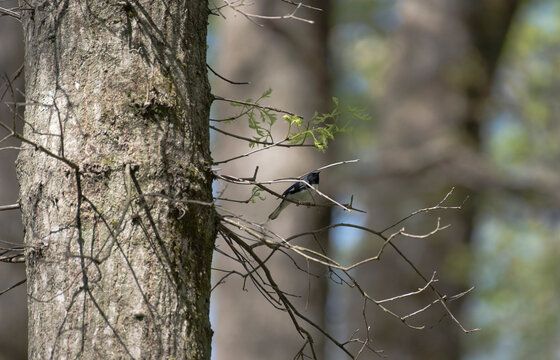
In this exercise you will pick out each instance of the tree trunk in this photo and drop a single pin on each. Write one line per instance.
(116, 134)
(13, 322)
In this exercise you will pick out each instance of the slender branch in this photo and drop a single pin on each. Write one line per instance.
(15, 256)
(13, 286)
(236, 5)
(436, 207)
(257, 141)
(279, 143)
(337, 163)
(287, 16)
(8, 12)
(39, 147)
(423, 236)
(302, 5)
(220, 98)
(398, 297)
(10, 207)
(227, 80)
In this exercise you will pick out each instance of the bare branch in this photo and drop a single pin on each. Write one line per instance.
(279, 144)
(423, 236)
(227, 80)
(41, 148)
(337, 163)
(14, 256)
(300, 4)
(9, 12)
(9, 207)
(402, 296)
(238, 6)
(436, 207)
(13, 286)
(220, 98)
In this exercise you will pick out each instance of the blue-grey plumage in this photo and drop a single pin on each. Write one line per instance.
(298, 192)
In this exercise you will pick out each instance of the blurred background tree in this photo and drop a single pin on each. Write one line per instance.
(289, 58)
(13, 311)
(432, 76)
(461, 93)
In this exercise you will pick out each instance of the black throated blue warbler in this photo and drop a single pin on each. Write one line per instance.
(299, 192)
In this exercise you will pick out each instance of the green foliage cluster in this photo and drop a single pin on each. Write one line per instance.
(260, 118)
(321, 128)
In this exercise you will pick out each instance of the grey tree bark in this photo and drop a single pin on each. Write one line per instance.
(115, 181)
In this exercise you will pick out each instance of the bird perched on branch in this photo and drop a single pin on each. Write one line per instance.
(299, 191)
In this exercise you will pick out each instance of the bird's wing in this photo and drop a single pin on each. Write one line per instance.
(294, 188)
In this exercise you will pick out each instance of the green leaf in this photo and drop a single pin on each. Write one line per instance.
(256, 194)
(266, 94)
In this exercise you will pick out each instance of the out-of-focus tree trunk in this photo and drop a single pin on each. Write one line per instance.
(13, 321)
(116, 129)
(442, 65)
(290, 58)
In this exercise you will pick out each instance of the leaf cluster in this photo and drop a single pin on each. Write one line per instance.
(322, 127)
(260, 119)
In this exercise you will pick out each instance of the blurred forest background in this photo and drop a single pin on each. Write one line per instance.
(461, 94)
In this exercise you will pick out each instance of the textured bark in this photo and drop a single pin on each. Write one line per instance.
(119, 91)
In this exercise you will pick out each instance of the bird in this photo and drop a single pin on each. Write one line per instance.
(299, 191)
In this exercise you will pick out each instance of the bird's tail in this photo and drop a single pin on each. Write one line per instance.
(278, 210)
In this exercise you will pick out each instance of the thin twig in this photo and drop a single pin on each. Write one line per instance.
(39, 147)
(337, 163)
(227, 80)
(10, 207)
(422, 289)
(8, 12)
(302, 5)
(279, 143)
(220, 98)
(13, 286)
(436, 207)
(236, 7)
(257, 141)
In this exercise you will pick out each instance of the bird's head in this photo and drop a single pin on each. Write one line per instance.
(312, 178)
